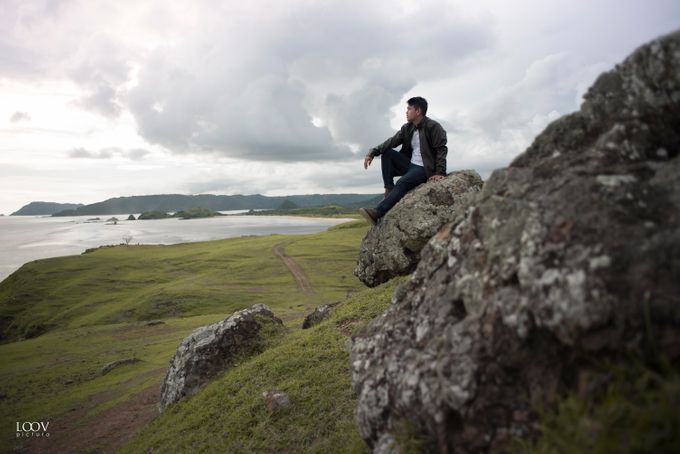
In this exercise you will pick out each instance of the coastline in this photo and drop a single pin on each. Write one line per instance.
(29, 238)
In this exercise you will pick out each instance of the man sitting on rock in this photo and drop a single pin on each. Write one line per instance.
(422, 157)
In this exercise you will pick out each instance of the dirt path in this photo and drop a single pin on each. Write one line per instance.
(104, 433)
(295, 269)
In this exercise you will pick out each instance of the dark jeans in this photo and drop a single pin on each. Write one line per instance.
(396, 164)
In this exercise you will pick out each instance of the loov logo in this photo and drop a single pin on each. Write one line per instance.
(32, 429)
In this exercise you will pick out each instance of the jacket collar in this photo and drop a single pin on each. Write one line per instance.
(421, 124)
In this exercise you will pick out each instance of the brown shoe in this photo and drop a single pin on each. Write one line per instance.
(369, 214)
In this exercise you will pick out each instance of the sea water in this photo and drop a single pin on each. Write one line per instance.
(27, 238)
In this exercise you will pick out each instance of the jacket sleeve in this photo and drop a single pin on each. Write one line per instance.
(439, 149)
(392, 142)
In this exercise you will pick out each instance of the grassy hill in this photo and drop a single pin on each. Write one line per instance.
(65, 318)
(87, 311)
(136, 283)
(310, 366)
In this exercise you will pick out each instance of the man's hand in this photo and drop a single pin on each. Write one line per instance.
(367, 161)
(435, 178)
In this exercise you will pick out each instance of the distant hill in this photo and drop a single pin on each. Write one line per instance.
(179, 202)
(45, 208)
(325, 211)
(287, 205)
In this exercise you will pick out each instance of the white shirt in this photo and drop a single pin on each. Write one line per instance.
(416, 157)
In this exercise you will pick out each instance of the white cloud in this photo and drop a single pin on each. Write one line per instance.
(272, 97)
(343, 64)
(487, 134)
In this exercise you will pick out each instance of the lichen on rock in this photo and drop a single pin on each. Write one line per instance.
(319, 314)
(566, 257)
(392, 248)
(210, 349)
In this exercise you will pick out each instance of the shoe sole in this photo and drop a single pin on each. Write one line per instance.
(367, 216)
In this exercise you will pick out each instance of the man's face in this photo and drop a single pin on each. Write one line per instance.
(412, 113)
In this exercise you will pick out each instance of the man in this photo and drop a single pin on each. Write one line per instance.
(422, 157)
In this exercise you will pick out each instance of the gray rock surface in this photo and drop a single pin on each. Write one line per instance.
(274, 400)
(320, 314)
(566, 258)
(210, 349)
(392, 247)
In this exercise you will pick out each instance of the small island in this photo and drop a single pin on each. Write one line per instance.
(195, 213)
(191, 213)
(154, 214)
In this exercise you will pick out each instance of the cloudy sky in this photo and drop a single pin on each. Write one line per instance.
(105, 99)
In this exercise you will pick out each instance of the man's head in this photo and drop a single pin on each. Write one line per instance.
(416, 109)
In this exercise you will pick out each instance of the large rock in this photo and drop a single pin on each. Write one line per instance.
(210, 349)
(392, 247)
(568, 257)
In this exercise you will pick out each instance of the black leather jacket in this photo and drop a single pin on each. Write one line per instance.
(432, 145)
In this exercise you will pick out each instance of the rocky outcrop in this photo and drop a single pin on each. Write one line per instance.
(567, 257)
(392, 247)
(210, 349)
(320, 314)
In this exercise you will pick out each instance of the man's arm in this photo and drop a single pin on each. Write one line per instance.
(392, 142)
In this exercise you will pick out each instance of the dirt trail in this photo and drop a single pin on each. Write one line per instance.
(104, 433)
(295, 269)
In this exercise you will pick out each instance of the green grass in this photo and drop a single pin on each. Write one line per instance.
(310, 366)
(132, 283)
(86, 311)
(89, 310)
(45, 377)
(636, 412)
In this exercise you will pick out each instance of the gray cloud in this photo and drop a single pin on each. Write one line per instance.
(19, 117)
(101, 99)
(101, 69)
(60, 39)
(137, 154)
(255, 97)
(309, 178)
(83, 153)
(285, 97)
(553, 84)
(134, 154)
(16, 61)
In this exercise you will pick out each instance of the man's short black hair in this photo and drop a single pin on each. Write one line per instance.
(418, 102)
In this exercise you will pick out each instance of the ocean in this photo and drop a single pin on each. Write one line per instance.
(27, 238)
